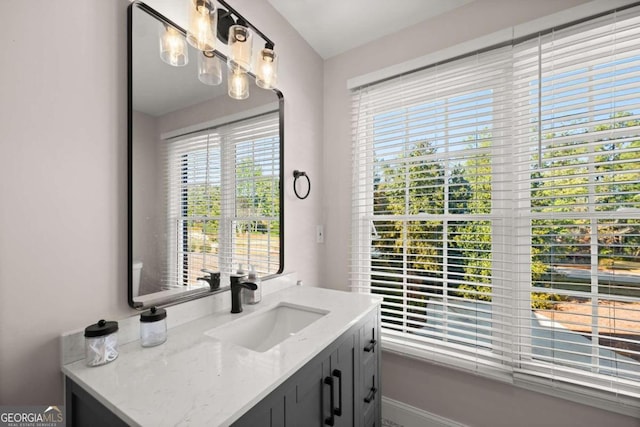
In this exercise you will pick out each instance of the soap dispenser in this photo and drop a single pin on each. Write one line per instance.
(240, 271)
(249, 296)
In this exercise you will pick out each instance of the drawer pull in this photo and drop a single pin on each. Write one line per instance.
(371, 346)
(371, 395)
(331, 419)
(338, 374)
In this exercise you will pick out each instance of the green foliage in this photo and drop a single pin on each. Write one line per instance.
(475, 292)
(561, 185)
(257, 194)
(419, 183)
(545, 300)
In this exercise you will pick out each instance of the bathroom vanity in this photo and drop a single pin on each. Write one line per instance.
(315, 362)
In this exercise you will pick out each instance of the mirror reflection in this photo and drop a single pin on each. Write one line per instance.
(205, 175)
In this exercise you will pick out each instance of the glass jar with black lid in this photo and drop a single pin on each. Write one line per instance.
(153, 327)
(101, 343)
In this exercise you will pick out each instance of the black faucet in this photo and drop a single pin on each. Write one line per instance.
(237, 284)
(213, 280)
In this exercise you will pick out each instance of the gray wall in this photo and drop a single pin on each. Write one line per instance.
(63, 176)
(63, 184)
(480, 402)
(445, 392)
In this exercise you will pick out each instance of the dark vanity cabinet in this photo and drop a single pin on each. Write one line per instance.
(368, 406)
(82, 409)
(323, 392)
(339, 387)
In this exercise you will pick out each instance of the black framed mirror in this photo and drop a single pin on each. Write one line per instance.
(205, 171)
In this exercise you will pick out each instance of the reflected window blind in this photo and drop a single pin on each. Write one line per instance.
(496, 208)
(195, 207)
(255, 230)
(223, 199)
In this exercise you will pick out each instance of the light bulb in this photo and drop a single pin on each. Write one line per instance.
(173, 48)
(203, 25)
(267, 68)
(240, 46)
(238, 83)
(209, 69)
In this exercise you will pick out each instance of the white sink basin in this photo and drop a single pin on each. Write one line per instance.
(262, 331)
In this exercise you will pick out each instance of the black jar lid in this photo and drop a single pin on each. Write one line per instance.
(153, 315)
(101, 328)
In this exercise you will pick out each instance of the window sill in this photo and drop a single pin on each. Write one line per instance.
(624, 405)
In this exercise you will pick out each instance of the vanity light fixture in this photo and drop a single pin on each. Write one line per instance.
(202, 25)
(240, 45)
(173, 47)
(209, 69)
(267, 68)
(238, 82)
(206, 22)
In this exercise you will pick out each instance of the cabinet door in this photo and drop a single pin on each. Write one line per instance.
(268, 413)
(342, 372)
(304, 405)
(371, 420)
(369, 341)
(82, 409)
(368, 401)
(324, 390)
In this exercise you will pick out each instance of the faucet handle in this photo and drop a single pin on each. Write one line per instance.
(213, 280)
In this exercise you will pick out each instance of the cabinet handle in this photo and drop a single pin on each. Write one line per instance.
(331, 419)
(370, 346)
(338, 374)
(371, 395)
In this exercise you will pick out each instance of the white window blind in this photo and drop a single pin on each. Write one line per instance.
(223, 198)
(428, 204)
(577, 111)
(496, 208)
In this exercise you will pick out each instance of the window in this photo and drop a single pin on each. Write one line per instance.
(224, 206)
(496, 208)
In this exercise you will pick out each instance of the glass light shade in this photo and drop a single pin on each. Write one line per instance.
(237, 82)
(240, 46)
(209, 69)
(173, 47)
(267, 69)
(203, 25)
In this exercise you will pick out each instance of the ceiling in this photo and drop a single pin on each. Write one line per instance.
(332, 27)
(158, 87)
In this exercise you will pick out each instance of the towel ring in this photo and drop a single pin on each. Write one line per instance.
(297, 174)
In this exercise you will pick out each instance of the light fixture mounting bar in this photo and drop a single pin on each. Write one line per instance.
(249, 24)
(160, 17)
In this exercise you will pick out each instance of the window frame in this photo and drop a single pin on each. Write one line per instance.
(361, 238)
(225, 137)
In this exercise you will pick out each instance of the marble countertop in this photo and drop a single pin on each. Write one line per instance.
(193, 379)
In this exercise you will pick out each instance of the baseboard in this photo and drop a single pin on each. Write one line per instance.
(398, 414)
